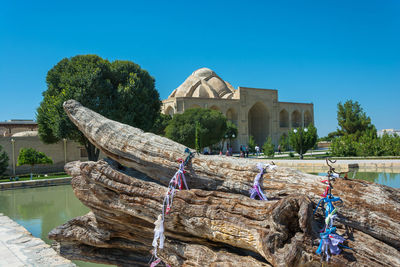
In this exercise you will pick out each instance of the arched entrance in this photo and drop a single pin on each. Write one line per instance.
(258, 120)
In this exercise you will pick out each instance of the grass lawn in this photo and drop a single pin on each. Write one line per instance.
(28, 177)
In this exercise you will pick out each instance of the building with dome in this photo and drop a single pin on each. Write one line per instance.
(255, 111)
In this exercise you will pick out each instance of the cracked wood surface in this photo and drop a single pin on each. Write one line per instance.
(208, 228)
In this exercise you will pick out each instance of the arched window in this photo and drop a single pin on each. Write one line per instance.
(232, 115)
(283, 118)
(307, 118)
(296, 119)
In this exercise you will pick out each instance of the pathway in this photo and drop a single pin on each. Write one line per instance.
(19, 248)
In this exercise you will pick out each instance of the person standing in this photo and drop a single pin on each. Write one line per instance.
(257, 148)
(247, 151)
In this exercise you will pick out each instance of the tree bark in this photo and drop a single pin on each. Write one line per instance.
(278, 232)
(92, 151)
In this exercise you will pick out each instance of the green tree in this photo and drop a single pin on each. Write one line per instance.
(120, 90)
(268, 147)
(3, 161)
(344, 146)
(302, 139)
(331, 136)
(32, 157)
(160, 124)
(284, 142)
(210, 130)
(252, 144)
(352, 119)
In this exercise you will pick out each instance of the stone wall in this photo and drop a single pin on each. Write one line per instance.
(55, 151)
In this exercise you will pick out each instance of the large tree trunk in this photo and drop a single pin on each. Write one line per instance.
(92, 151)
(278, 232)
(216, 217)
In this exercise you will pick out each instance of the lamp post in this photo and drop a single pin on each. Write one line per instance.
(65, 150)
(13, 154)
(229, 137)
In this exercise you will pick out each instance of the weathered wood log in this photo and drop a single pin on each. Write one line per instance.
(121, 251)
(203, 228)
(371, 208)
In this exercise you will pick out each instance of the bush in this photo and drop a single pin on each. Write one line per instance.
(291, 154)
(268, 147)
(366, 145)
(344, 146)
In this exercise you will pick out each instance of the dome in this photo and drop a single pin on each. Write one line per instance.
(204, 83)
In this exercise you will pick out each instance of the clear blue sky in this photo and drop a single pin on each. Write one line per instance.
(311, 51)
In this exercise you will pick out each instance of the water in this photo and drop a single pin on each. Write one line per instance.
(41, 209)
(389, 179)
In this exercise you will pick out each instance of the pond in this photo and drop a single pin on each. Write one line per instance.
(385, 178)
(41, 209)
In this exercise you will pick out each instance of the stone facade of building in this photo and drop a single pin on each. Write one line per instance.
(256, 112)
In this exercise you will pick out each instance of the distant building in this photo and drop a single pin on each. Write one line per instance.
(10, 127)
(60, 152)
(256, 112)
(391, 132)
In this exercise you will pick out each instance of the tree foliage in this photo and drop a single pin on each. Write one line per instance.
(252, 144)
(284, 142)
(231, 130)
(32, 157)
(3, 161)
(352, 119)
(212, 126)
(268, 147)
(119, 90)
(161, 124)
(302, 140)
(367, 145)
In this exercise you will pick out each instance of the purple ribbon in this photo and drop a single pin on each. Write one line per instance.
(256, 190)
(329, 245)
(174, 184)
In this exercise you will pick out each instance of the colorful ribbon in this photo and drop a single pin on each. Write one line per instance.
(256, 190)
(329, 243)
(175, 183)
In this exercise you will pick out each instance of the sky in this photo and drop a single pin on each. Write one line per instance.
(320, 52)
